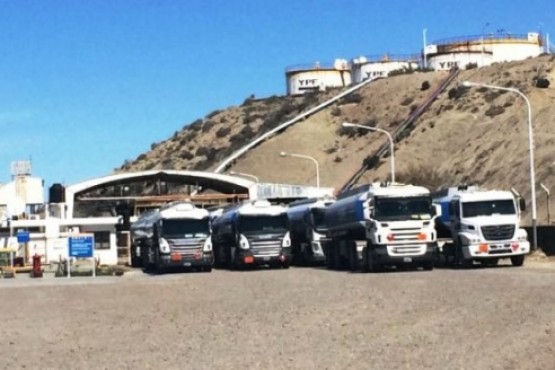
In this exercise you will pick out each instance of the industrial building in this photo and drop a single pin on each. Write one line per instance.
(318, 76)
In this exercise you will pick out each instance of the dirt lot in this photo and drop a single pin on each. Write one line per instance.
(303, 318)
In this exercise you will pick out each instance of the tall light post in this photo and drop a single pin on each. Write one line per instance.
(424, 42)
(255, 178)
(531, 150)
(286, 154)
(391, 144)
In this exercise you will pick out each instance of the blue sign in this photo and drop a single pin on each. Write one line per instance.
(81, 246)
(23, 237)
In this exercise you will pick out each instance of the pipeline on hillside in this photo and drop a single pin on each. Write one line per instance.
(411, 118)
(226, 162)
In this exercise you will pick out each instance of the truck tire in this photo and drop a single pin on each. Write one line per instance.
(328, 254)
(354, 264)
(158, 268)
(336, 260)
(206, 269)
(369, 262)
(135, 261)
(428, 266)
(517, 260)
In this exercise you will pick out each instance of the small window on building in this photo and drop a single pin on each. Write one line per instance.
(101, 240)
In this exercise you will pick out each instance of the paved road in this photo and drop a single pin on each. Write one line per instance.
(303, 318)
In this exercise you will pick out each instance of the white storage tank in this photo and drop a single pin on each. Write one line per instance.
(482, 50)
(371, 67)
(317, 76)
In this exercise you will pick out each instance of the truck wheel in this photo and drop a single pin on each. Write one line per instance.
(328, 255)
(158, 268)
(135, 261)
(517, 260)
(206, 269)
(370, 264)
(353, 256)
(428, 266)
(336, 256)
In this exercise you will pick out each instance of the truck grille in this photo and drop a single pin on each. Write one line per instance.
(498, 232)
(270, 247)
(406, 234)
(186, 246)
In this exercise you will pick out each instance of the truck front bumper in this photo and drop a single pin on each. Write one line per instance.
(392, 255)
(500, 249)
(256, 258)
(187, 260)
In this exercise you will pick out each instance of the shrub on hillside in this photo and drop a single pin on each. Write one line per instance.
(351, 98)
(222, 132)
(407, 100)
(542, 83)
(187, 155)
(427, 176)
(213, 113)
(457, 92)
(471, 66)
(195, 126)
(494, 110)
(208, 124)
(335, 111)
(425, 86)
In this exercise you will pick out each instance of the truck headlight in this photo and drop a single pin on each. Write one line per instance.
(207, 247)
(164, 245)
(243, 242)
(521, 235)
(286, 243)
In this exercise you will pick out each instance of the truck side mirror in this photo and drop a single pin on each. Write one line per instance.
(522, 204)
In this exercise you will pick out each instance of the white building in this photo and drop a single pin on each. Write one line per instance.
(482, 50)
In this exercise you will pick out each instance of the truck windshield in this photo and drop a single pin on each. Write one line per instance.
(488, 208)
(259, 224)
(398, 209)
(318, 216)
(185, 228)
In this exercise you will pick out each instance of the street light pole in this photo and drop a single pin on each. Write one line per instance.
(391, 144)
(531, 150)
(286, 154)
(255, 178)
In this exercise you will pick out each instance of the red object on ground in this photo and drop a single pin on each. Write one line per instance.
(37, 267)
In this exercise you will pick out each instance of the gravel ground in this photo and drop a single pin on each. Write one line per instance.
(302, 318)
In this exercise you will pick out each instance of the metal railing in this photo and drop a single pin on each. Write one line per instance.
(479, 38)
(387, 58)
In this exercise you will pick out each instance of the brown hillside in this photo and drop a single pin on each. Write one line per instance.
(467, 135)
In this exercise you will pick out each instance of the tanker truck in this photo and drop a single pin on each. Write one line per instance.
(308, 229)
(252, 233)
(176, 235)
(480, 225)
(382, 224)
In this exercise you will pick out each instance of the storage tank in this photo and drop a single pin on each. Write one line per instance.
(372, 67)
(317, 76)
(482, 50)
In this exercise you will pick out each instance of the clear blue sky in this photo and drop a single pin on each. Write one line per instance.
(87, 84)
